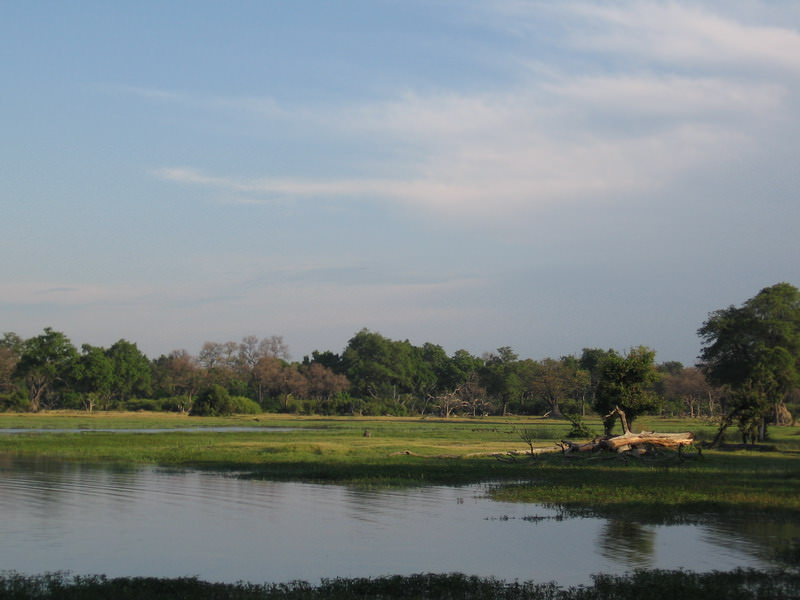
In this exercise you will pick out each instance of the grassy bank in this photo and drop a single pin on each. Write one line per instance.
(740, 584)
(413, 451)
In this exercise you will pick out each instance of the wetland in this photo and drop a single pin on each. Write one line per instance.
(285, 498)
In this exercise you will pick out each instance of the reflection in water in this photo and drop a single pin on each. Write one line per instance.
(765, 539)
(628, 543)
(120, 521)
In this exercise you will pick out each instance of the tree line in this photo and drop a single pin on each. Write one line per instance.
(747, 374)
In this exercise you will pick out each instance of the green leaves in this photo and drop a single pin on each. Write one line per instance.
(46, 363)
(625, 381)
(755, 351)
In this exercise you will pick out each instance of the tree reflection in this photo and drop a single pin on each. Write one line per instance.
(631, 544)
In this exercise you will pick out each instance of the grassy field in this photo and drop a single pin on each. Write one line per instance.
(414, 451)
(756, 491)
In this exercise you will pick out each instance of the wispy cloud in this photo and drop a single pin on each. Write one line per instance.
(546, 139)
(69, 294)
(685, 33)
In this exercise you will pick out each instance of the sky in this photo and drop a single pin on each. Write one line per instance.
(549, 176)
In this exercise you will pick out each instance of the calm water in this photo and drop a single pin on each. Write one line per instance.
(89, 519)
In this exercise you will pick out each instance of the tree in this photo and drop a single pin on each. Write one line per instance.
(500, 376)
(213, 401)
(180, 376)
(323, 383)
(448, 402)
(624, 382)
(473, 396)
(327, 359)
(46, 363)
(691, 389)
(132, 373)
(10, 349)
(378, 367)
(754, 350)
(590, 361)
(94, 377)
(557, 382)
(267, 377)
(277, 379)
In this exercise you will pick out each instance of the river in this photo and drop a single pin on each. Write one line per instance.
(90, 519)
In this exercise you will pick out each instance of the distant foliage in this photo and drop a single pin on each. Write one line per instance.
(241, 405)
(754, 352)
(214, 401)
(750, 374)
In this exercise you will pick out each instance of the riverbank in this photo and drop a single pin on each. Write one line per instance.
(412, 451)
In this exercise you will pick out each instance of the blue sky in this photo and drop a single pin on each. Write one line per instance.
(542, 175)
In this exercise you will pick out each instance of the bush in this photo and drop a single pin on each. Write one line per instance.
(242, 405)
(16, 401)
(579, 429)
(213, 401)
(137, 404)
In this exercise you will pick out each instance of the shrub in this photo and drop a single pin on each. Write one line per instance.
(16, 401)
(136, 404)
(242, 405)
(213, 401)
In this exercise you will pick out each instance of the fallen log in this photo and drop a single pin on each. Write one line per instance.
(648, 438)
(628, 442)
(568, 446)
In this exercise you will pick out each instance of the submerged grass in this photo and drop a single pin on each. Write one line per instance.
(719, 483)
(740, 584)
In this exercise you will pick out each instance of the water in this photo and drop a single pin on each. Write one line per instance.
(127, 522)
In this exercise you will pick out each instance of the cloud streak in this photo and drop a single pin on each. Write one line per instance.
(548, 140)
(680, 33)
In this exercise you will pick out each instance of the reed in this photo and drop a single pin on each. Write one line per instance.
(738, 585)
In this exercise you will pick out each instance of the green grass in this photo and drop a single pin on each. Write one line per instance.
(742, 483)
(757, 491)
(414, 451)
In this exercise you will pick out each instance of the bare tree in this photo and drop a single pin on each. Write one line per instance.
(448, 402)
(691, 387)
(274, 346)
(185, 378)
(474, 396)
(323, 383)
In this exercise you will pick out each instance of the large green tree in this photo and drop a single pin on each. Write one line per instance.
(625, 382)
(10, 350)
(378, 367)
(94, 377)
(501, 377)
(132, 371)
(46, 364)
(754, 350)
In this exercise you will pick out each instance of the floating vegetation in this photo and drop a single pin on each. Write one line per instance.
(530, 518)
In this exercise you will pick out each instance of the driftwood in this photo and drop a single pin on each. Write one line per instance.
(627, 444)
(630, 441)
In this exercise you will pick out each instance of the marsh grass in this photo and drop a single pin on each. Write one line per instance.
(739, 584)
(758, 491)
(716, 483)
(414, 451)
